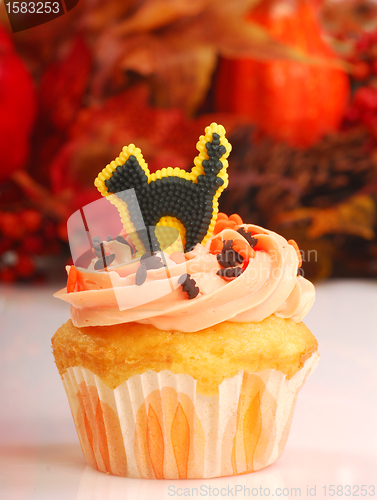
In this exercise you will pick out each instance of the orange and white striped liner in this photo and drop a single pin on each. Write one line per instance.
(157, 426)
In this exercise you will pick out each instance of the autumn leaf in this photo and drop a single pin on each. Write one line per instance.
(181, 71)
(356, 216)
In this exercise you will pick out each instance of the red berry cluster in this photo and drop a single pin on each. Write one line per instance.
(24, 236)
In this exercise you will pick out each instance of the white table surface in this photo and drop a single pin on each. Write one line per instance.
(333, 440)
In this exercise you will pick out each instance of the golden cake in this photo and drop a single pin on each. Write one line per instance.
(117, 353)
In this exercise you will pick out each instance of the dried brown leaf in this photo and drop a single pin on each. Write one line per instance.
(181, 71)
(356, 216)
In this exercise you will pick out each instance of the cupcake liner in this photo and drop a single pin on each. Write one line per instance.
(156, 425)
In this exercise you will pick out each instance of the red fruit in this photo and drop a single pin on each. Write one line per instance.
(17, 108)
(291, 101)
(25, 267)
(31, 219)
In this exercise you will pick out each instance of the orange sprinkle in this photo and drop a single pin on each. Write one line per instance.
(221, 216)
(224, 224)
(244, 249)
(236, 218)
(72, 279)
(216, 246)
(296, 247)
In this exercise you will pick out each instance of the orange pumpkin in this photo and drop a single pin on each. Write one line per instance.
(293, 102)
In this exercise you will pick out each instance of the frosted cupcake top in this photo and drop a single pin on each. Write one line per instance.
(267, 284)
(176, 263)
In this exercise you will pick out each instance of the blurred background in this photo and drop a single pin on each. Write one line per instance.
(294, 82)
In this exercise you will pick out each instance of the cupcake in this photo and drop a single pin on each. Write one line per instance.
(185, 351)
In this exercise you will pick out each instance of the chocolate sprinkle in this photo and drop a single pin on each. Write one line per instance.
(151, 261)
(229, 257)
(188, 285)
(100, 264)
(223, 261)
(227, 245)
(250, 239)
(230, 272)
(85, 259)
(141, 274)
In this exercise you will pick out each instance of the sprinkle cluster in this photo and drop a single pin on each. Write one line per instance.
(228, 256)
(185, 200)
(230, 261)
(232, 255)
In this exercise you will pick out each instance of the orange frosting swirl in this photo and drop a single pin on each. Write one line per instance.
(268, 285)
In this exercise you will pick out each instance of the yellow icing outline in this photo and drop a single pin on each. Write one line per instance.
(198, 169)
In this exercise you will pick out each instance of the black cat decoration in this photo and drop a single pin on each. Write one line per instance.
(171, 197)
